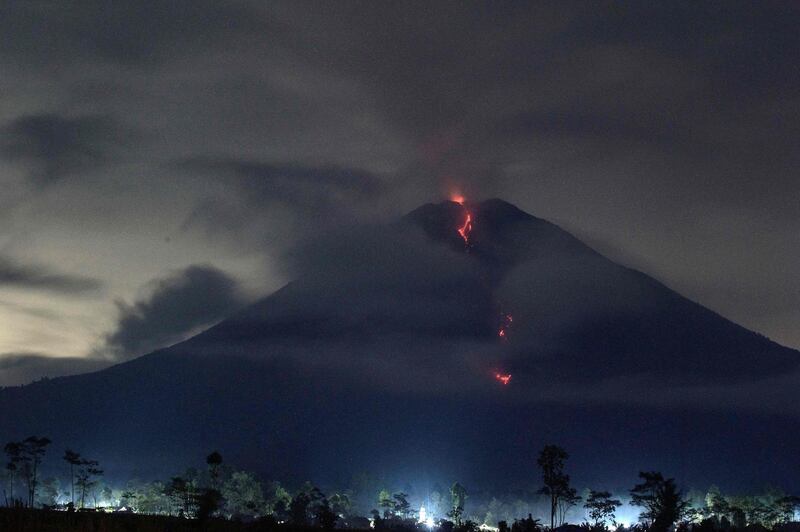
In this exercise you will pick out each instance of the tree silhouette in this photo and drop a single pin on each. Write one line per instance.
(341, 504)
(243, 494)
(324, 515)
(528, 524)
(181, 492)
(73, 459)
(458, 496)
(214, 461)
(661, 500)
(386, 502)
(401, 504)
(86, 479)
(716, 504)
(278, 501)
(567, 500)
(298, 509)
(33, 451)
(556, 482)
(787, 506)
(13, 451)
(601, 507)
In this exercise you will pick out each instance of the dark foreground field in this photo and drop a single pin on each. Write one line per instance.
(12, 520)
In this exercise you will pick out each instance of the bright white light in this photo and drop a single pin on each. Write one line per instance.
(424, 518)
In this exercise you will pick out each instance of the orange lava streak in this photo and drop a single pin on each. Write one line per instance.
(466, 229)
(503, 377)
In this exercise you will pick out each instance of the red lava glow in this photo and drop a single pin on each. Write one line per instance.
(466, 229)
(505, 378)
(502, 332)
(457, 198)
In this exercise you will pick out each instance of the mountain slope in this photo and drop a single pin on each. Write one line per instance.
(383, 356)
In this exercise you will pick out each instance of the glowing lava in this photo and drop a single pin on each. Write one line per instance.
(466, 229)
(457, 198)
(508, 319)
(505, 378)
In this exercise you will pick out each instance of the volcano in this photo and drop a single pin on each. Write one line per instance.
(393, 351)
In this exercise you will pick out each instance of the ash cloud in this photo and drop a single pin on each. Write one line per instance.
(178, 305)
(273, 200)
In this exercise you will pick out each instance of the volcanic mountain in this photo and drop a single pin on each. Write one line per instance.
(449, 345)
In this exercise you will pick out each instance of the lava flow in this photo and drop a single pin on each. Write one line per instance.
(466, 228)
(502, 332)
(464, 232)
(505, 378)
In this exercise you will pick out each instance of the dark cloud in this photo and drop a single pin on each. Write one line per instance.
(274, 200)
(31, 276)
(54, 146)
(21, 368)
(179, 305)
(142, 32)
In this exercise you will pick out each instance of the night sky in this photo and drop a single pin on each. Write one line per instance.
(161, 161)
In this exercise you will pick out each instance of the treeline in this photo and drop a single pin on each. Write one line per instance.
(218, 491)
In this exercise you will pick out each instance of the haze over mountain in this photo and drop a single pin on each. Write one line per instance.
(384, 356)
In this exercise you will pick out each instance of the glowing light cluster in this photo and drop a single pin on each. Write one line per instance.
(505, 378)
(425, 518)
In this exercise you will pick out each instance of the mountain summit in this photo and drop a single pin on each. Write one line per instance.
(452, 343)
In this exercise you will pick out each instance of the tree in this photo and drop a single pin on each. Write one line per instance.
(601, 507)
(386, 502)
(401, 504)
(180, 492)
(87, 477)
(323, 515)
(73, 459)
(661, 500)
(128, 498)
(208, 503)
(13, 451)
(214, 461)
(458, 496)
(48, 492)
(298, 509)
(716, 504)
(243, 495)
(787, 506)
(31, 453)
(528, 524)
(567, 500)
(556, 482)
(341, 504)
(278, 501)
